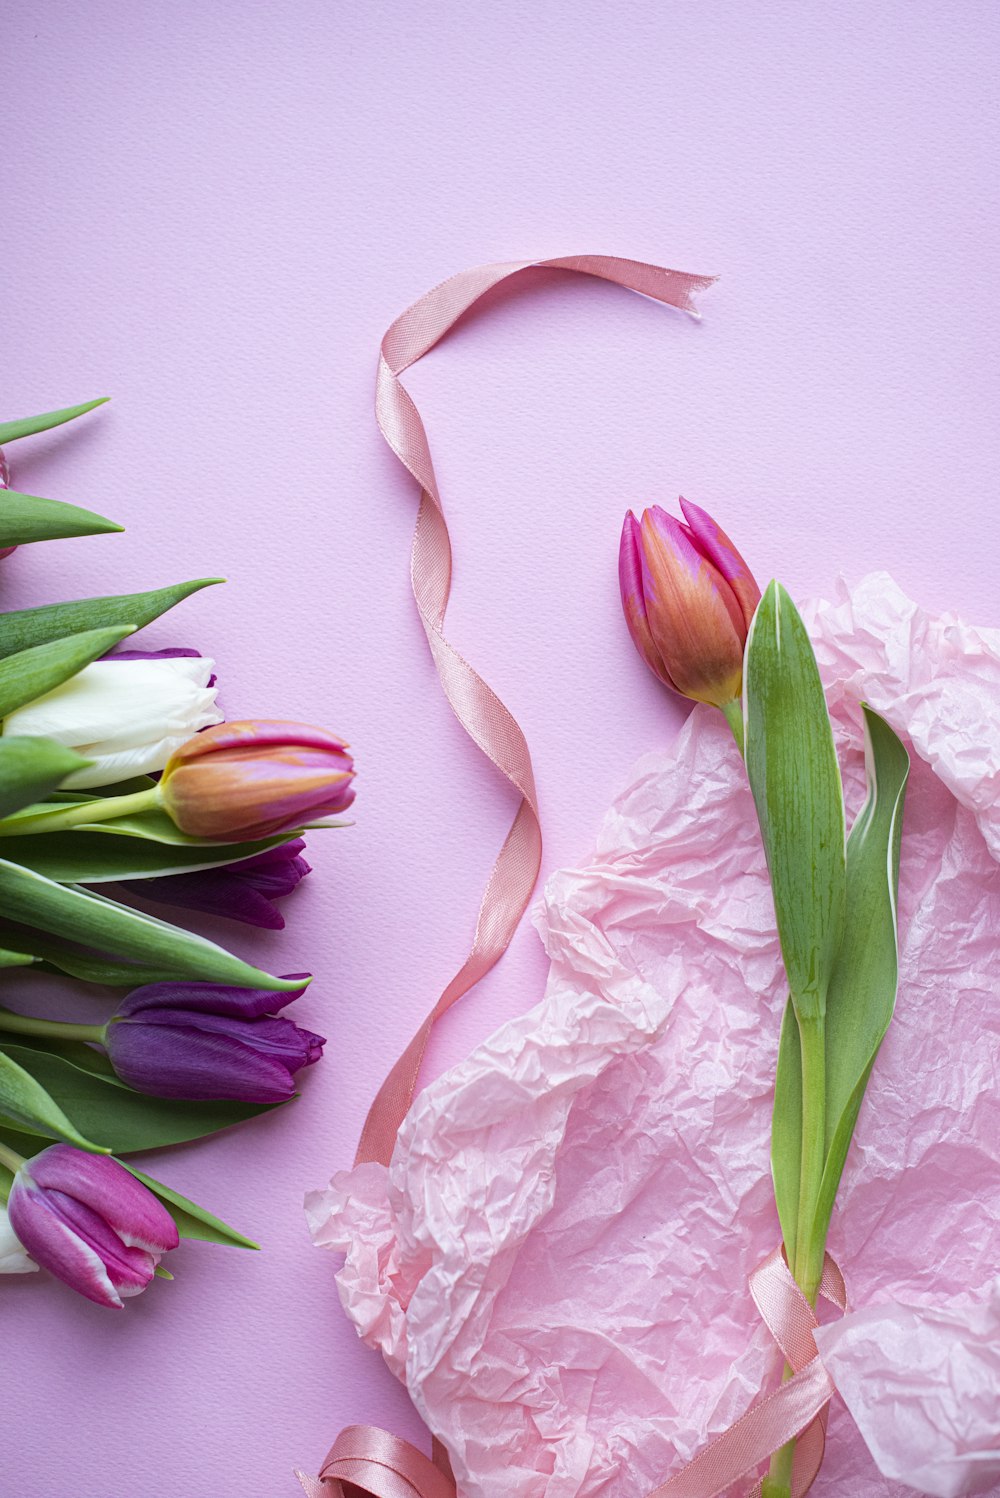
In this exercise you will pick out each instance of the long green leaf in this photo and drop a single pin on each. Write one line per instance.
(28, 517)
(862, 992)
(25, 1100)
(31, 900)
(55, 956)
(786, 1128)
(52, 621)
(81, 857)
(192, 1221)
(112, 1114)
(29, 425)
(15, 959)
(793, 772)
(862, 987)
(31, 768)
(32, 673)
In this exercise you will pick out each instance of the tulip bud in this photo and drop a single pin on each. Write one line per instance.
(201, 1040)
(688, 598)
(130, 712)
(244, 891)
(88, 1221)
(241, 781)
(5, 551)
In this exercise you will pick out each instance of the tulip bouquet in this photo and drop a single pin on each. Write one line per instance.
(697, 617)
(119, 777)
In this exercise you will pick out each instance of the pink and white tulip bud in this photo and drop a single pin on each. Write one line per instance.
(688, 598)
(88, 1221)
(241, 781)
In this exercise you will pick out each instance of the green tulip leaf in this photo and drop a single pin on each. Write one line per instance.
(86, 917)
(862, 993)
(192, 1221)
(54, 956)
(25, 1100)
(32, 673)
(53, 621)
(795, 779)
(92, 857)
(10, 431)
(30, 769)
(15, 959)
(27, 517)
(117, 1118)
(862, 990)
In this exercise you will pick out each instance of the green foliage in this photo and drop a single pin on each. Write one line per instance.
(795, 780)
(31, 768)
(52, 621)
(31, 673)
(85, 917)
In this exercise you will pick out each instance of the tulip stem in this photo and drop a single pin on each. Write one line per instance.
(26, 1024)
(731, 711)
(99, 810)
(11, 1159)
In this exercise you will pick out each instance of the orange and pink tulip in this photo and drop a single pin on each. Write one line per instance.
(688, 598)
(240, 781)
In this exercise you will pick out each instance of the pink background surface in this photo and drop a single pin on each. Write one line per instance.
(212, 213)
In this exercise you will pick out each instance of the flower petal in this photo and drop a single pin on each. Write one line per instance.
(690, 619)
(716, 545)
(192, 1063)
(633, 600)
(132, 1211)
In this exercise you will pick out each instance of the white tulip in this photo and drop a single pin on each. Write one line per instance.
(14, 1259)
(127, 716)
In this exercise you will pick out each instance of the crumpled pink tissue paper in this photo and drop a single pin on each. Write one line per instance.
(556, 1261)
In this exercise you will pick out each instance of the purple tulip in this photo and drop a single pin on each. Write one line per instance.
(200, 1041)
(244, 891)
(88, 1221)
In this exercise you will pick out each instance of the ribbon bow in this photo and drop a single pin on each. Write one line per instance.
(378, 1465)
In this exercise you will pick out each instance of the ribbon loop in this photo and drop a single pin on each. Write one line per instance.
(365, 1462)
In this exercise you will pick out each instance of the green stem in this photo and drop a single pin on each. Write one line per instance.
(812, 1043)
(26, 1024)
(11, 1159)
(76, 816)
(733, 714)
(806, 1254)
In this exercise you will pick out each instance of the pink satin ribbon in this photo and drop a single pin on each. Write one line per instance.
(365, 1460)
(477, 707)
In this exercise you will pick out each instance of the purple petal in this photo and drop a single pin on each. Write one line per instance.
(125, 1204)
(214, 998)
(191, 1063)
(215, 892)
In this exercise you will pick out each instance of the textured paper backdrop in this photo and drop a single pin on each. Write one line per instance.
(212, 212)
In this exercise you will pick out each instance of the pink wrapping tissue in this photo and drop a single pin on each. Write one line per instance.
(556, 1261)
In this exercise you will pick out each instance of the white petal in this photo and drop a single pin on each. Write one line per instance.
(13, 1258)
(115, 706)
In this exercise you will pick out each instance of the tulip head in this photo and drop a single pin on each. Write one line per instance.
(241, 781)
(5, 551)
(130, 712)
(204, 1041)
(245, 891)
(688, 598)
(88, 1221)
